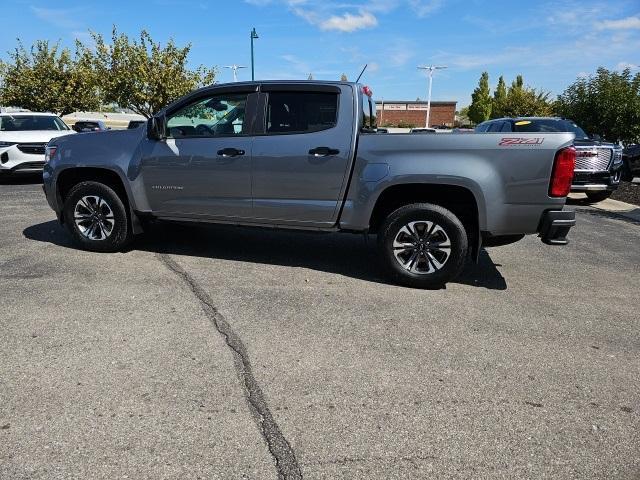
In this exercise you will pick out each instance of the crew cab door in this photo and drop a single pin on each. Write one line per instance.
(302, 157)
(203, 167)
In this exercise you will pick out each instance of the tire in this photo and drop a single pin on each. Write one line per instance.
(594, 197)
(432, 267)
(627, 176)
(96, 217)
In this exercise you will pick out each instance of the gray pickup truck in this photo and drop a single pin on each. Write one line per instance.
(306, 155)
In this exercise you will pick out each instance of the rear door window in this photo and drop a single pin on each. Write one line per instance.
(506, 127)
(301, 112)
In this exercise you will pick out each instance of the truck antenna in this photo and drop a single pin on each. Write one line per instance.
(363, 69)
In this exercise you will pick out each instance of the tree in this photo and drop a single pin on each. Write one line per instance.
(143, 76)
(607, 103)
(480, 108)
(526, 102)
(48, 78)
(519, 100)
(499, 99)
(343, 78)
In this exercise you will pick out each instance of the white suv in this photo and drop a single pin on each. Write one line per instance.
(23, 137)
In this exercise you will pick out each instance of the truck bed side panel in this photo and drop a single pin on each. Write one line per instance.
(509, 180)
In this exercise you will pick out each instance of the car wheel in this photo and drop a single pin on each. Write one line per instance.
(96, 217)
(594, 197)
(423, 245)
(626, 171)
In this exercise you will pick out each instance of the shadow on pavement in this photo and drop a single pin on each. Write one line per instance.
(20, 179)
(340, 253)
(583, 202)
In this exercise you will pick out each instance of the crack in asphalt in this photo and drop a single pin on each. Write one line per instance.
(282, 453)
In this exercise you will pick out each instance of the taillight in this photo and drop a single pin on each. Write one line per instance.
(562, 173)
(49, 153)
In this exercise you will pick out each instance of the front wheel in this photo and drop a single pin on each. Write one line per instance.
(96, 217)
(423, 245)
(594, 197)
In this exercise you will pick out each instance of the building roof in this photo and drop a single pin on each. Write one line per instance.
(419, 102)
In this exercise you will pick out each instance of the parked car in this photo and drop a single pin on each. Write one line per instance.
(598, 164)
(82, 126)
(422, 130)
(631, 160)
(136, 123)
(23, 137)
(306, 155)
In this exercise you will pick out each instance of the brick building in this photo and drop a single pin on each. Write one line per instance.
(415, 113)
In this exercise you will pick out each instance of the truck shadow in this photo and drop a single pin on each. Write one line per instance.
(21, 179)
(340, 253)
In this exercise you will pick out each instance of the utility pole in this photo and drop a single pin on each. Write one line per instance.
(235, 68)
(253, 36)
(431, 69)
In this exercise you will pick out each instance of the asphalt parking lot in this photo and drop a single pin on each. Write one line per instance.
(217, 352)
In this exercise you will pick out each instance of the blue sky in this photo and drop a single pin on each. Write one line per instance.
(549, 42)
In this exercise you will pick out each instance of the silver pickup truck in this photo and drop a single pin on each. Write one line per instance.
(306, 155)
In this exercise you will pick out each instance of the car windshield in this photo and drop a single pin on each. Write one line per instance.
(549, 125)
(14, 123)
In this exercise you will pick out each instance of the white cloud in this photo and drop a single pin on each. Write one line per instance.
(62, 18)
(348, 16)
(630, 66)
(349, 23)
(629, 23)
(425, 7)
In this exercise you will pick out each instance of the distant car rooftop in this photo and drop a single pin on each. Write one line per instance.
(27, 112)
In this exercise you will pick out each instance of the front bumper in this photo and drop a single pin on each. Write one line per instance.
(12, 160)
(584, 181)
(555, 226)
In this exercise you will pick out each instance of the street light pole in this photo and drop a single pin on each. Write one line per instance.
(235, 68)
(431, 69)
(253, 35)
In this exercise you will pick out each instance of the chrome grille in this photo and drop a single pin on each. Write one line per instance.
(32, 148)
(593, 159)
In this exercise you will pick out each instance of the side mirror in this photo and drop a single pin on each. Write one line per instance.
(155, 127)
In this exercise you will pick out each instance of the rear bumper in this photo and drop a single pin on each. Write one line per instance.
(555, 226)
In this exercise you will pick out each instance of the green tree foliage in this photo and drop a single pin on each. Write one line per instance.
(48, 78)
(520, 101)
(137, 74)
(480, 108)
(499, 99)
(343, 78)
(142, 75)
(607, 103)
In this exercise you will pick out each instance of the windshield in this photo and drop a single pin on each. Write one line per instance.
(15, 123)
(549, 125)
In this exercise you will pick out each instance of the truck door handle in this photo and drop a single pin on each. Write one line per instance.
(230, 152)
(323, 151)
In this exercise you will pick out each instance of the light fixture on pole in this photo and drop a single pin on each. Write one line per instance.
(235, 68)
(254, 35)
(431, 69)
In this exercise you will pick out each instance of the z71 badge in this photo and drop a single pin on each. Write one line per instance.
(520, 141)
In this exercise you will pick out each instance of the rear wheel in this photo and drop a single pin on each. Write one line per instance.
(594, 197)
(423, 245)
(96, 217)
